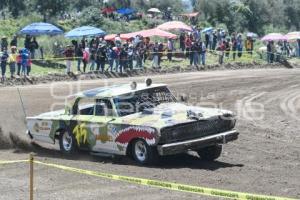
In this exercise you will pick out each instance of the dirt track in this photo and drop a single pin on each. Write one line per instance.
(265, 159)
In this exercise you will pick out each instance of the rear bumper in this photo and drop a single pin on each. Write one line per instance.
(181, 147)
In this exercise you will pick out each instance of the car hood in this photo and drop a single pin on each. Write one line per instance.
(170, 114)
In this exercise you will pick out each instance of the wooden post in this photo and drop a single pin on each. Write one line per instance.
(31, 175)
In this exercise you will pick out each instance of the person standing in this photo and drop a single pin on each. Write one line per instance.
(32, 47)
(4, 43)
(93, 51)
(12, 61)
(79, 56)
(181, 42)
(203, 53)
(221, 49)
(130, 57)
(69, 54)
(4, 59)
(14, 41)
(19, 62)
(123, 58)
(249, 45)
(239, 43)
(101, 57)
(155, 55)
(215, 41)
(25, 57)
(234, 45)
(160, 53)
(85, 58)
(227, 48)
(170, 49)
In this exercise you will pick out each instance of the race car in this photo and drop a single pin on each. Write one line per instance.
(141, 120)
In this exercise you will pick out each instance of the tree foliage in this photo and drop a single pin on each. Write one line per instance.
(251, 15)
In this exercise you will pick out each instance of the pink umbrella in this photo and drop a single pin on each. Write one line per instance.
(274, 37)
(293, 36)
(110, 37)
(150, 33)
(174, 25)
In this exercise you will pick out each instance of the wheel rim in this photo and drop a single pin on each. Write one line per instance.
(140, 151)
(67, 141)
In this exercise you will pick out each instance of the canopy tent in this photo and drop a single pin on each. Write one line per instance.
(41, 28)
(126, 11)
(274, 37)
(150, 33)
(174, 25)
(292, 36)
(190, 15)
(154, 10)
(208, 29)
(85, 31)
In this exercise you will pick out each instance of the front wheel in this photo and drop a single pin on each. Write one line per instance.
(210, 153)
(67, 143)
(143, 153)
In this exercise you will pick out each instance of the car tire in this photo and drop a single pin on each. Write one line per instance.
(67, 143)
(210, 153)
(144, 154)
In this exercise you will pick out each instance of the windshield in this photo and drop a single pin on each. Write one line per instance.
(138, 101)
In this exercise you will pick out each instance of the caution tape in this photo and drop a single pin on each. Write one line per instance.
(160, 184)
(5, 162)
(169, 185)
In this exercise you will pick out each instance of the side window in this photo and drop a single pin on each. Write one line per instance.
(85, 107)
(103, 107)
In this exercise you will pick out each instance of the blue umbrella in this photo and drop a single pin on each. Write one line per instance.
(41, 28)
(209, 29)
(125, 11)
(85, 31)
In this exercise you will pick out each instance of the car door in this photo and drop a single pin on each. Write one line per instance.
(103, 115)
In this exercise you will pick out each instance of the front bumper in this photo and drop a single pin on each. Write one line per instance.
(195, 144)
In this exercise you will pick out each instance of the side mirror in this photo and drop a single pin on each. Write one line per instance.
(183, 98)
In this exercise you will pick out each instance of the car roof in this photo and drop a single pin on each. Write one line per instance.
(115, 90)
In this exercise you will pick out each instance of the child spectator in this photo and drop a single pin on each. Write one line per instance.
(24, 61)
(4, 59)
(12, 61)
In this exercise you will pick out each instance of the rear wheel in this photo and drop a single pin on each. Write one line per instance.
(67, 143)
(143, 153)
(210, 153)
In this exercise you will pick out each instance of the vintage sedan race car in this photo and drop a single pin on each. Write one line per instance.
(142, 120)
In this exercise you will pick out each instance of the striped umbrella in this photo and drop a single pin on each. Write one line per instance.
(274, 37)
(292, 36)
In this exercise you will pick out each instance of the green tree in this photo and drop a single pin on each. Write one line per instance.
(50, 8)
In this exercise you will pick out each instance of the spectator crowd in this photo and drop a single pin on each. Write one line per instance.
(118, 55)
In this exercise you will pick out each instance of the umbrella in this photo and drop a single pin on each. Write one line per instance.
(274, 37)
(110, 37)
(154, 10)
(149, 33)
(293, 36)
(189, 15)
(125, 11)
(174, 25)
(41, 28)
(85, 31)
(209, 29)
(252, 35)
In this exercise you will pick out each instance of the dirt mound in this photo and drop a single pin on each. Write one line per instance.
(55, 77)
(12, 141)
